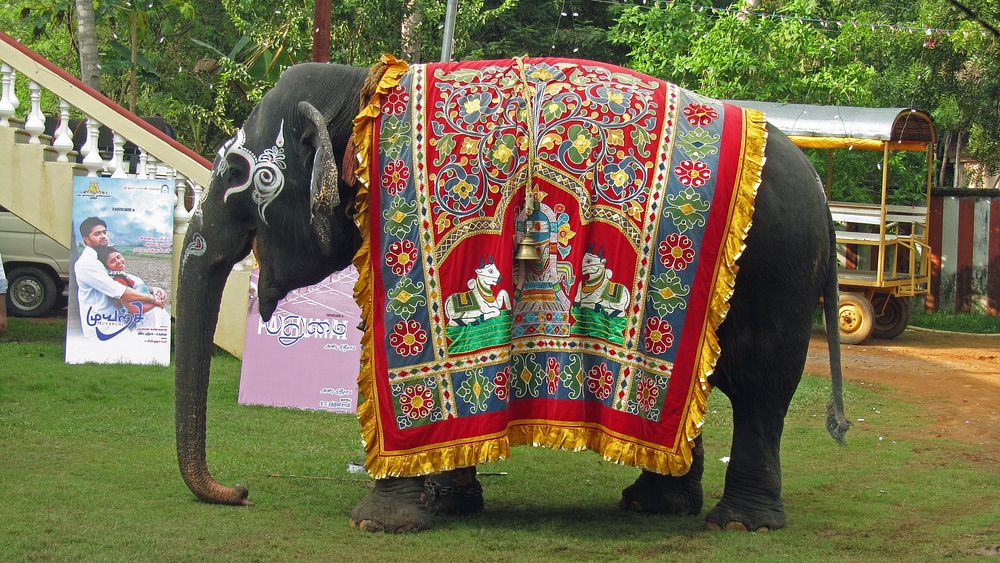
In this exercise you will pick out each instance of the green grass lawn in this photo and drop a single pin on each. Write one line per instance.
(88, 472)
(956, 322)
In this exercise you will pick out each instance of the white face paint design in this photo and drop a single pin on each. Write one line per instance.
(265, 171)
(196, 247)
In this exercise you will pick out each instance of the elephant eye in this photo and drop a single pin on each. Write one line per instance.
(235, 171)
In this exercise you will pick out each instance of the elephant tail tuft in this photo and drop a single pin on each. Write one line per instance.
(836, 423)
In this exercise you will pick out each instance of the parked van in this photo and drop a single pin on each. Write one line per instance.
(37, 268)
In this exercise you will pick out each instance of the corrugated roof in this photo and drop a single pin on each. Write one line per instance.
(881, 124)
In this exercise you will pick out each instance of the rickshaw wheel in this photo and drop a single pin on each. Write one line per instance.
(856, 318)
(892, 314)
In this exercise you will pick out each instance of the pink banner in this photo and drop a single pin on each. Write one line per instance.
(307, 356)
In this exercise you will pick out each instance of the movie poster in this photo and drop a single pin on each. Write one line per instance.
(308, 354)
(120, 271)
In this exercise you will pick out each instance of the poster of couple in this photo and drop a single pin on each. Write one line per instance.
(120, 271)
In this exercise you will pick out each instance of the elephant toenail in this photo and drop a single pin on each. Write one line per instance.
(738, 526)
(713, 526)
(763, 530)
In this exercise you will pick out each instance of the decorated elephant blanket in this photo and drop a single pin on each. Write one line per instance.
(630, 198)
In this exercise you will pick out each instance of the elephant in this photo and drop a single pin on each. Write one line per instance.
(298, 220)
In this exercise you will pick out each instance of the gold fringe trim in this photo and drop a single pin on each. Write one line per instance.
(383, 77)
(572, 436)
(745, 196)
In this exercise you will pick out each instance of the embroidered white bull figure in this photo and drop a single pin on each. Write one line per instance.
(480, 302)
(597, 291)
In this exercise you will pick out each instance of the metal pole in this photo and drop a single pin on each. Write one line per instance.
(447, 43)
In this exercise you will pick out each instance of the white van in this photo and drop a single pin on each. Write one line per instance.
(37, 268)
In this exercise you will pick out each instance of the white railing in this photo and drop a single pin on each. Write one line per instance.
(158, 156)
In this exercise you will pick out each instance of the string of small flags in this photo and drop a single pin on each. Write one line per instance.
(825, 23)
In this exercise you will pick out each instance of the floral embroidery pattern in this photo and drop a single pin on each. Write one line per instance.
(600, 381)
(700, 115)
(476, 107)
(395, 103)
(408, 338)
(552, 370)
(395, 135)
(692, 173)
(646, 393)
(524, 381)
(416, 401)
(617, 100)
(625, 163)
(501, 383)
(676, 251)
(401, 256)
(395, 176)
(579, 143)
(659, 335)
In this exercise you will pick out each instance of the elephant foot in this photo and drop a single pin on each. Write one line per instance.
(662, 494)
(454, 492)
(726, 516)
(394, 505)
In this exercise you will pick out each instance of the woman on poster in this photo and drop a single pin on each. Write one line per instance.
(152, 314)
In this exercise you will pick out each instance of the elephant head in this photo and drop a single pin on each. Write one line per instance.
(275, 189)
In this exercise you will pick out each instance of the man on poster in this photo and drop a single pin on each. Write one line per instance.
(99, 296)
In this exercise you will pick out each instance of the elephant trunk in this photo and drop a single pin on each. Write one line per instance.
(202, 278)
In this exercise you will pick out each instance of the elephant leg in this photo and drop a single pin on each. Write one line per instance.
(751, 500)
(454, 492)
(394, 505)
(759, 374)
(663, 494)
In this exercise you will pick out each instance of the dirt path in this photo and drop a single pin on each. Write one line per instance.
(956, 377)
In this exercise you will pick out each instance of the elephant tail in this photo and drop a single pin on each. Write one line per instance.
(836, 422)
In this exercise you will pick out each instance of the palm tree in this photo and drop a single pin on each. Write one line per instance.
(86, 28)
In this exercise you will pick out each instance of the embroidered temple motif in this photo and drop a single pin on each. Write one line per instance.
(644, 196)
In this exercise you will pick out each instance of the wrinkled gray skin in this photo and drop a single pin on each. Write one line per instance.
(306, 232)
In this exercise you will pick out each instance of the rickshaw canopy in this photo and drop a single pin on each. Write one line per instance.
(849, 127)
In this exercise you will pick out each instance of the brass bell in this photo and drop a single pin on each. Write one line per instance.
(527, 250)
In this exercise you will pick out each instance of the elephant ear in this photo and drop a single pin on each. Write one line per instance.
(324, 192)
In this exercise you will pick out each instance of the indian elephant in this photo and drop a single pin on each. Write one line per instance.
(277, 189)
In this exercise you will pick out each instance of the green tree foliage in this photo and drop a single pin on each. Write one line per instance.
(202, 64)
(921, 54)
(550, 28)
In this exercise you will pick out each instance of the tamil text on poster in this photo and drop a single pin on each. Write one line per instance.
(307, 355)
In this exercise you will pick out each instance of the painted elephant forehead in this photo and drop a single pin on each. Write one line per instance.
(265, 171)
(637, 195)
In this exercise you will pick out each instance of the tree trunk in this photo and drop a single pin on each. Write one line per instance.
(410, 32)
(133, 86)
(86, 28)
(321, 31)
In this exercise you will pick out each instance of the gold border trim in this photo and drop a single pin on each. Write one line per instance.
(364, 131)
